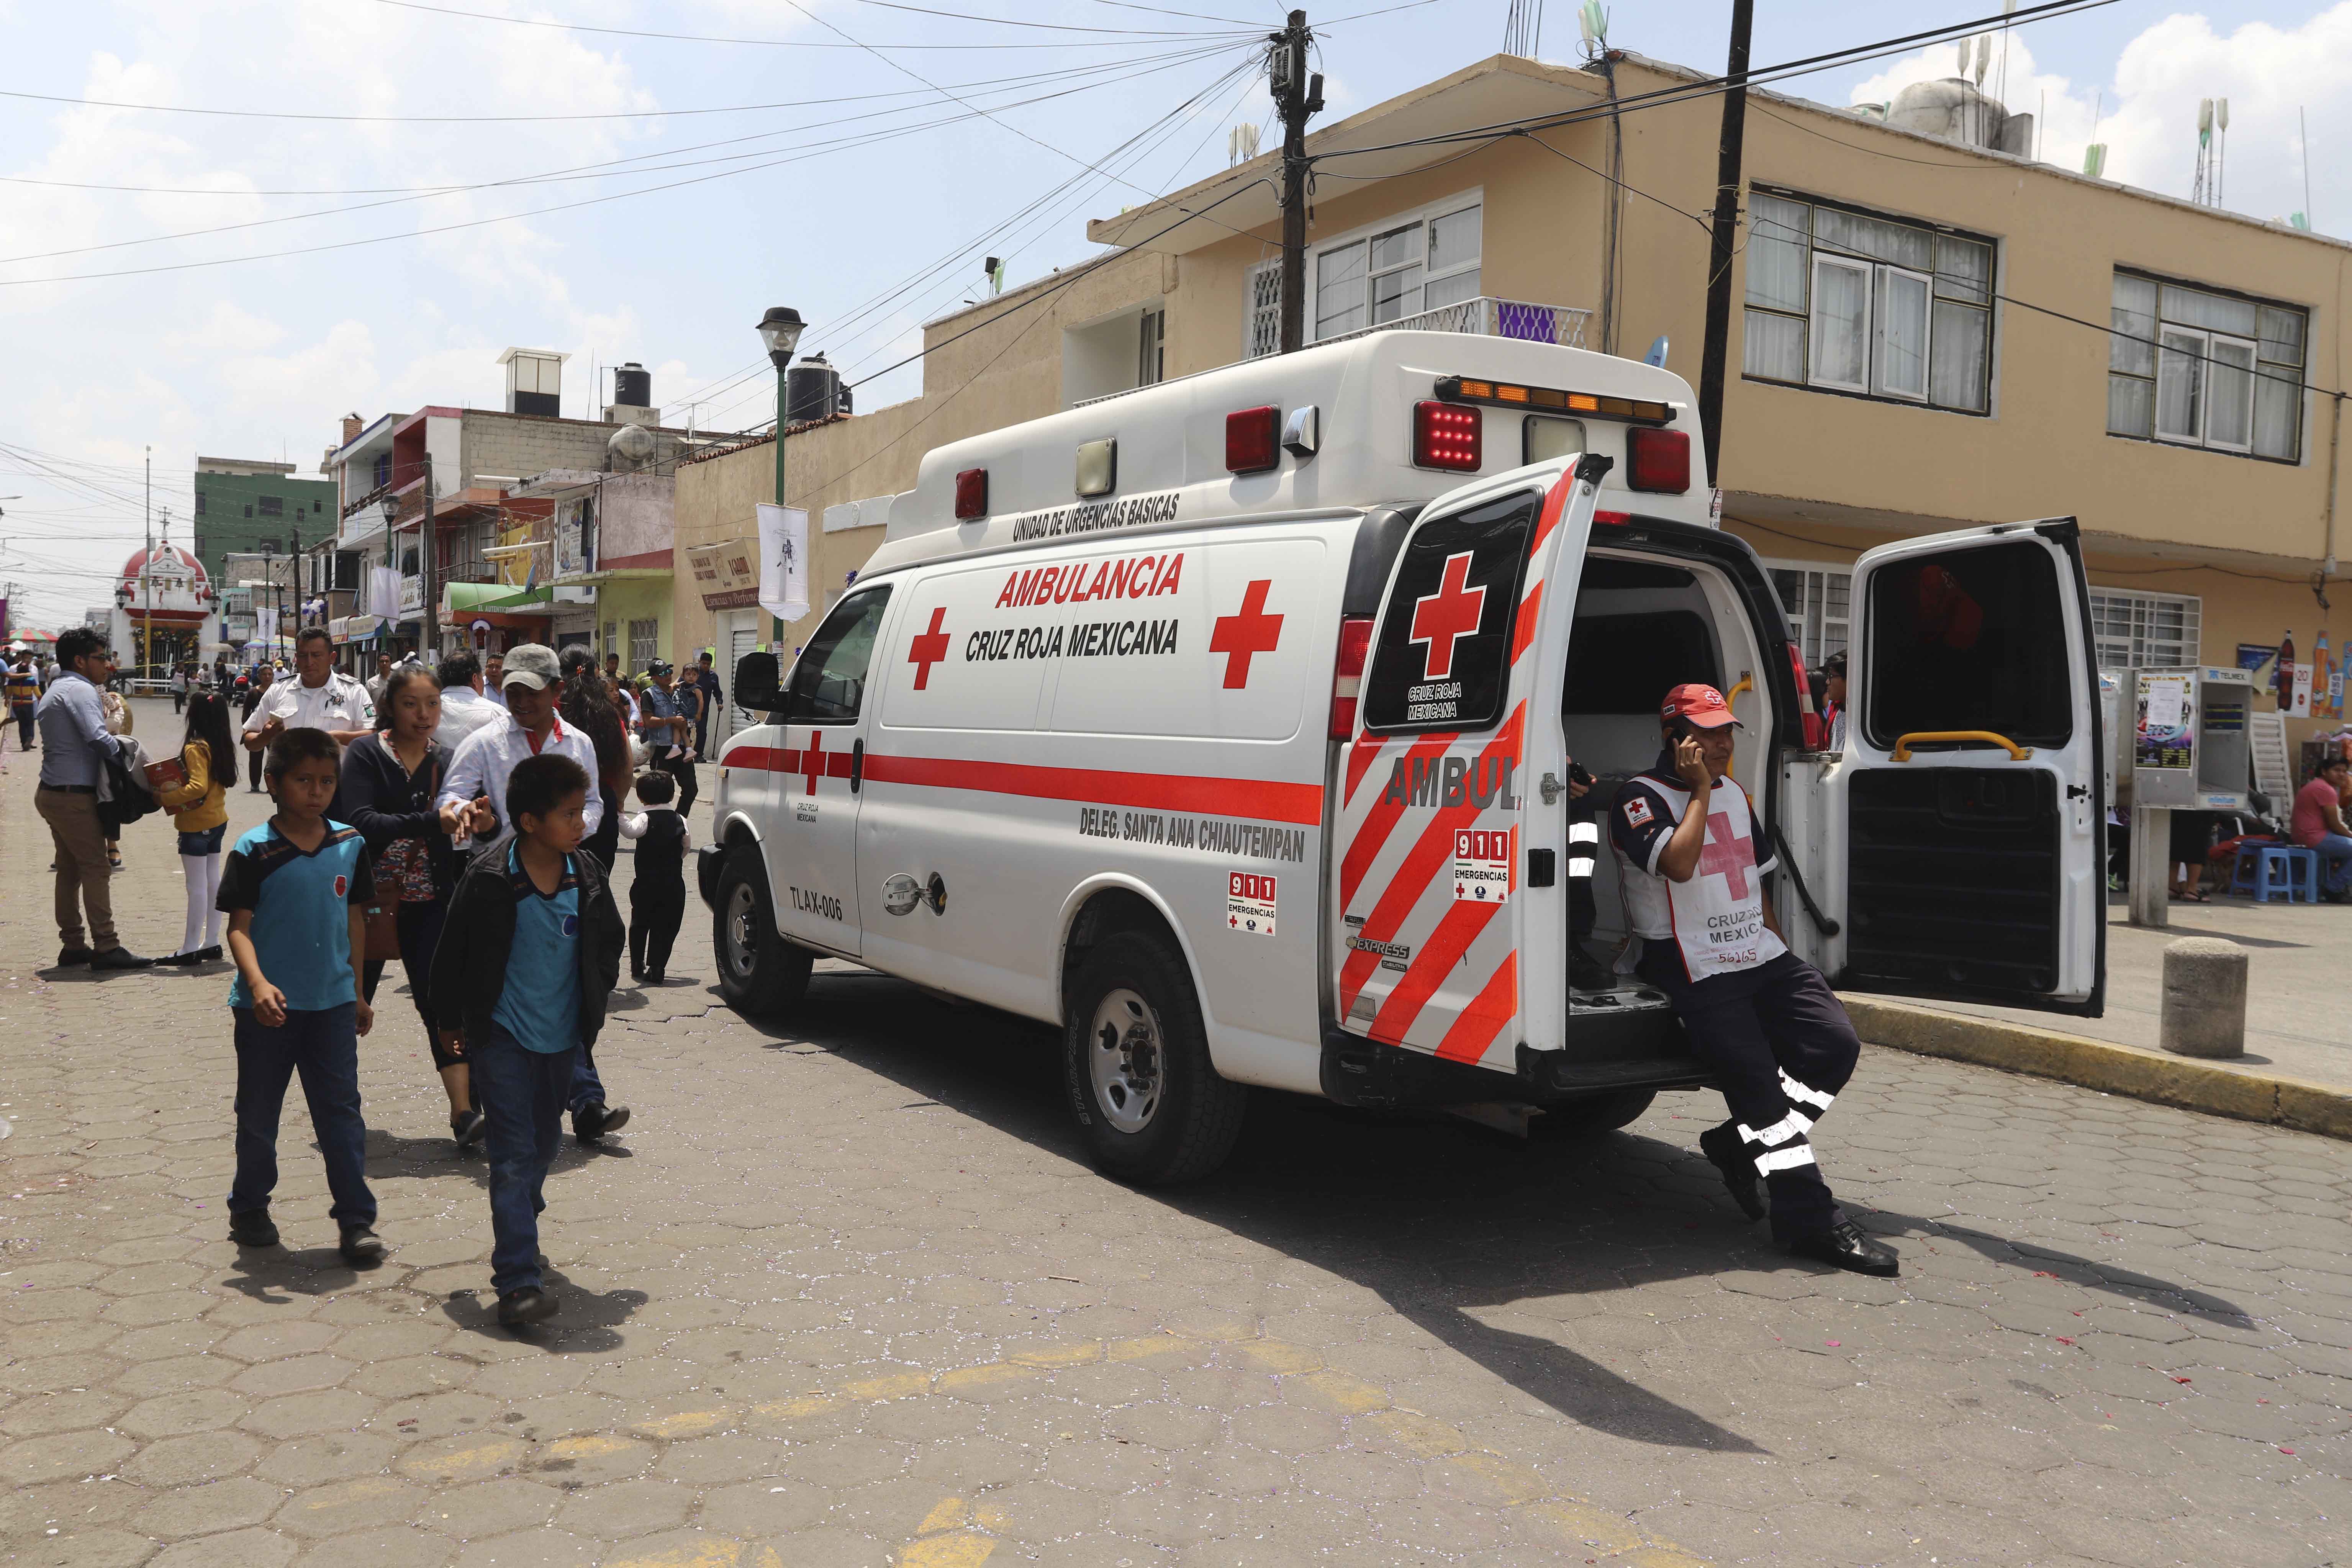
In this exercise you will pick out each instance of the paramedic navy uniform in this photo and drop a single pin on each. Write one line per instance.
(1760, 1020)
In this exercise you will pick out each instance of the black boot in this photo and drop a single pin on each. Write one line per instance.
(1845, 1247)
(251, 1227)
(529, 1305)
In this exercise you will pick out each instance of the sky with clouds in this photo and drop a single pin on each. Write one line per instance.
(383, 194)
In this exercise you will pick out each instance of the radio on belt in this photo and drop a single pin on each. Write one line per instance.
(1225, 701)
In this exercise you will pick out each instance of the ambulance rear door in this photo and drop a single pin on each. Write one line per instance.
(1963, 835)
(1448, 874)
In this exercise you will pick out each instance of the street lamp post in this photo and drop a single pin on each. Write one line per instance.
(779, 331)
(390, 505)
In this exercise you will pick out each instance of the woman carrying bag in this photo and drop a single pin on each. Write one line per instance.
(389, 782)
(199, 810)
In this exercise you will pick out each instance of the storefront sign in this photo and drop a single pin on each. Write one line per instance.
(724, 569)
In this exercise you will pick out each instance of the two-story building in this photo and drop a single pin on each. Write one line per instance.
(1928, 332)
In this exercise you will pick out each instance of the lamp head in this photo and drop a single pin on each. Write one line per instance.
(779, 330)
(390, 505)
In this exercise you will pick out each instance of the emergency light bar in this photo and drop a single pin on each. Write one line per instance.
(1510, 394)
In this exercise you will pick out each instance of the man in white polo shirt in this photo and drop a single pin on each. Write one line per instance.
(1760, 1020)
(321, 697)
(529, 727)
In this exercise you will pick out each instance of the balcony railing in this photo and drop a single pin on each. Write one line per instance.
(1488, 317)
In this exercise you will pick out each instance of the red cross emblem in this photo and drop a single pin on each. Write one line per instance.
(1726, 856)
(1242, 637)
(928, 649)
(1443, 618)
(813, 758)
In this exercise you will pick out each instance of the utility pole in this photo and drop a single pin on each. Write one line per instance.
(431, 652)
(1298, 94)
(1727, 220)
(147, 573)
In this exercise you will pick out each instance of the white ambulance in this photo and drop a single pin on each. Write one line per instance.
(1228, 724)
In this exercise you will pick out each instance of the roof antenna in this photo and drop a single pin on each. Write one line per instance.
(2095, 156)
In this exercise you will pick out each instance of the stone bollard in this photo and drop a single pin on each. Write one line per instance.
(2204, 998)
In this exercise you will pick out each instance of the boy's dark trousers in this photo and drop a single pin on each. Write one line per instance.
(656, 908)
(1776, 1041)
(25, 713)
(681, 767)
(323, 1047)
(254, 760)
(521, 1094)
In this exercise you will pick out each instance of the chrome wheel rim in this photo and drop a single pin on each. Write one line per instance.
(742, 936)
(1126, 1060)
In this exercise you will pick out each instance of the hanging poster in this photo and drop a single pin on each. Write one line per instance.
(2166, 722)
(2252, 656)
(783, 561)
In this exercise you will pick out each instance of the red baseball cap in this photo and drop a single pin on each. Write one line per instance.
(1702, 707)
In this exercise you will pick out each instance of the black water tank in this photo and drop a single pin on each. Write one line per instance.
(632, 385)
(813, 389)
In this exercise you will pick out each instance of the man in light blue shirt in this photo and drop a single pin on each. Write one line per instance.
(74, 745)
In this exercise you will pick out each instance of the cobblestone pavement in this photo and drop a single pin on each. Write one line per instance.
(845, 1295)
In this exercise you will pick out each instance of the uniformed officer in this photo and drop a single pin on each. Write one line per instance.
(1761, 1020)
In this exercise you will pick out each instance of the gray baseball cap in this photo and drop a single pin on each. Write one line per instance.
(530, 664)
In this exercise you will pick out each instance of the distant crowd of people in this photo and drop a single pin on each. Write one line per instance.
(463, 819)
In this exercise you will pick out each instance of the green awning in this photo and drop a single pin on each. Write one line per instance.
(464, 598)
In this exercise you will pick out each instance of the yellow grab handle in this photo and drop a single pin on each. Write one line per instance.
(2017, 753)
(1733, 696)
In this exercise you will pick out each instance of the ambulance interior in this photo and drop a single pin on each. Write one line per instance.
(1645, 624)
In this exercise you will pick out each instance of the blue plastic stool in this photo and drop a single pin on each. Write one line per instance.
(2268, 871)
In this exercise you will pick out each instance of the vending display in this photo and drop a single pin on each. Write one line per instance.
(2189, 739)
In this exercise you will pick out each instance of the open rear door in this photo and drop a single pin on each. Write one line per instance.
(1964, 835)
(1440, 824)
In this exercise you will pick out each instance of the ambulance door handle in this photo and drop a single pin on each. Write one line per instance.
(857, 765)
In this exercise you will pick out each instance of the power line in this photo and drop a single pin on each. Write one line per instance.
(763, 43)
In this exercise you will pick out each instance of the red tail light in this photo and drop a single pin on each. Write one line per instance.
(1447, 435)
(1348, 674)
(1613, 519)
(971, 493)
(1816, 733)
(1253, 438)
(1657, 460)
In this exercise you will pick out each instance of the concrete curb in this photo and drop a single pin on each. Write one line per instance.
(2128, 1070)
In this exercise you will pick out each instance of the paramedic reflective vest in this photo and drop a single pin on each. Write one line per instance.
(1715, 920)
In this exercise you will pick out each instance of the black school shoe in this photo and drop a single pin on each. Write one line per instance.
(251, 1227)
(361, 1248)
(529, 1305)
(68, 957)
(118, 959)
(1721, 1146)
(591, 1123)
(1845, 1247)
(467, 1127)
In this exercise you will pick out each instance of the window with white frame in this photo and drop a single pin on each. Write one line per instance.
(1851, 302)
(1403, 268)
(2196, 368)
(1817, 598)
(645, 643)
(2136, 631)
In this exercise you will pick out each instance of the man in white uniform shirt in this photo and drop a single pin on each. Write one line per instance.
(1761, 1020)
(320, 698)
(529, 726)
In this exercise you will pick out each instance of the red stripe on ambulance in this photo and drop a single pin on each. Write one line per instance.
(1301, 804)
(1497, 1003)
(1365, 847)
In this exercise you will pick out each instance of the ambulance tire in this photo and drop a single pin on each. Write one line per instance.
(1185, 1123)
(1591, 1116)
(760, 975)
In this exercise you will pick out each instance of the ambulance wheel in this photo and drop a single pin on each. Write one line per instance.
(760, 975)
(1136, 1064)
(1594, 1116)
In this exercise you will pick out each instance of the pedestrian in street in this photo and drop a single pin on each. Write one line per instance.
(199, 809)
(587, 705)
(118, 722)
(24, 697)
(319, 697)
(74, 745)
(528, 959)
(296, 890)
(390, 791)
(531, 726)
(668, 725)
(179, 689)
(657, 896)
(1761, 1020)
(375, 681)
(251, 690)
(2317, 824)
(494, 676)
(464, 708)
(709, 701)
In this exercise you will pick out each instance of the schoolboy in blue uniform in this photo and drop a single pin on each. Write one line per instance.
(1762, 1022)
(529, 953)
(296, 891)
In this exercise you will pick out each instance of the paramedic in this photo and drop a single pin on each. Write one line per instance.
(1761, 1020)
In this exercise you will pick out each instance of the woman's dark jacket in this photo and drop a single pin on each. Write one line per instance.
(377, 796)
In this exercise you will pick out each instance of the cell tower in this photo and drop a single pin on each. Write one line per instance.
(2212, 147)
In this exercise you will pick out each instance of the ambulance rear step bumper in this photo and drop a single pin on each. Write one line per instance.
(1633, 1049)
